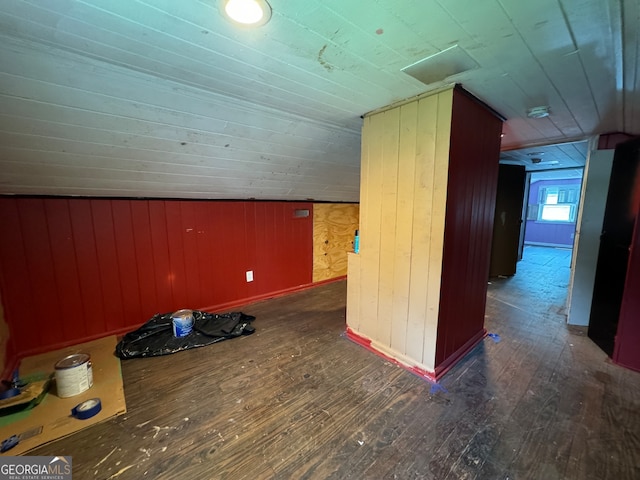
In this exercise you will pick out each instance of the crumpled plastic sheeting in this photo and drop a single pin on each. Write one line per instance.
(156, 338)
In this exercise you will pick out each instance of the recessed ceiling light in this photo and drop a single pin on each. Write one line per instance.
(248, 13)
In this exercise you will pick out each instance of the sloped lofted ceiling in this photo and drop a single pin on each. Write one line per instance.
(164, 98)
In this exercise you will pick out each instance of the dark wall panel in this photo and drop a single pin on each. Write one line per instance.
(16, 279)
(127, 263)
(626, 350)
(76, 269)
(471, 191)
(627, 338)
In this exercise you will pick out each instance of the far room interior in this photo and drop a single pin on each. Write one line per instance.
(321, 242)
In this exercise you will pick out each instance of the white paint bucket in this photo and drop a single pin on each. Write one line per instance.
(182, 323)
(74, 375)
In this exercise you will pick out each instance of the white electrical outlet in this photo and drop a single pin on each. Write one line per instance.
(249, 275)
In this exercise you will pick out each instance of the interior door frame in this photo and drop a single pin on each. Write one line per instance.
(523, 216)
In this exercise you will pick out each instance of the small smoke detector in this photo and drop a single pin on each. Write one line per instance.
(538, 112)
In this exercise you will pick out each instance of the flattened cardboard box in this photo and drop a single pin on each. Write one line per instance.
(53, 414)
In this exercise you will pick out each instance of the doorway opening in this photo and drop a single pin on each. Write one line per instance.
(548, 203)
(551, 209)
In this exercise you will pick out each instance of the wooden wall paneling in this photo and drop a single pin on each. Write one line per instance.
(354, 277)
(169, 253)
(439, 202)
(279, 265)
(288, 223)
(456, 264)
(216, 267)
(230, 250)
(251, 259)
(486, 191)
(628, 334)
(202, 253)
(473, 167)
(277, 247)
(370, 230)
(259, 236)
(145, 260)
(425, 165)
(275, 237)
(17, 294)
(269, 268)
(130, 279)
(455, 269)
(300, 244)
(108, 265)
(404, 226)
(609, 141)
(478, 235)
(388, 219)
(334, 226)
(475, 240)
(190, 231)
(88, 268)
(65, 264)
(364, 175)
(354, 296)
(44, 311)
(7, 350)
(239, 240)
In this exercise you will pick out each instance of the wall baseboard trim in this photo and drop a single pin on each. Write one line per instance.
(459, 354)
(13, 363)
(429, 376)
(218, 308)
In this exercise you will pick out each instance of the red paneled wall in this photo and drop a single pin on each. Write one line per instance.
(471, 191)
(77, 269)
(627, 340)
(608, 141)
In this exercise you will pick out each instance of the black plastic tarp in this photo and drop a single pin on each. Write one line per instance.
(156, 337)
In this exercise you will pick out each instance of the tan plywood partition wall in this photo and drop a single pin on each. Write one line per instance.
(334, 226)
(405, 155)
(417, 290)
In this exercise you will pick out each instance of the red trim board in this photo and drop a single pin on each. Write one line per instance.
(367, 343)
(430, 376)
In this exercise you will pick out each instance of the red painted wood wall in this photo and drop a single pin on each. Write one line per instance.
(627, 351)
(78, 269)
(471, 192)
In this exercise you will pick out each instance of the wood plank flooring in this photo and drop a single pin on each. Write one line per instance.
(297, 400)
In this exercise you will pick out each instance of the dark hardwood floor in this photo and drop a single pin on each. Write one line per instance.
(297, 400)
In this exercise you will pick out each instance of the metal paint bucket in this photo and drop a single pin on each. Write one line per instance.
(74, 375)
(182, 321)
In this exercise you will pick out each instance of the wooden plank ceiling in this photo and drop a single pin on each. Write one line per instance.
(159, 98)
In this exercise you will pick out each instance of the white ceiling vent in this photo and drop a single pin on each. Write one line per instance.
(442, 65)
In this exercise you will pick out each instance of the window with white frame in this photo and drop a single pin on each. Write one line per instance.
(558, 203)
